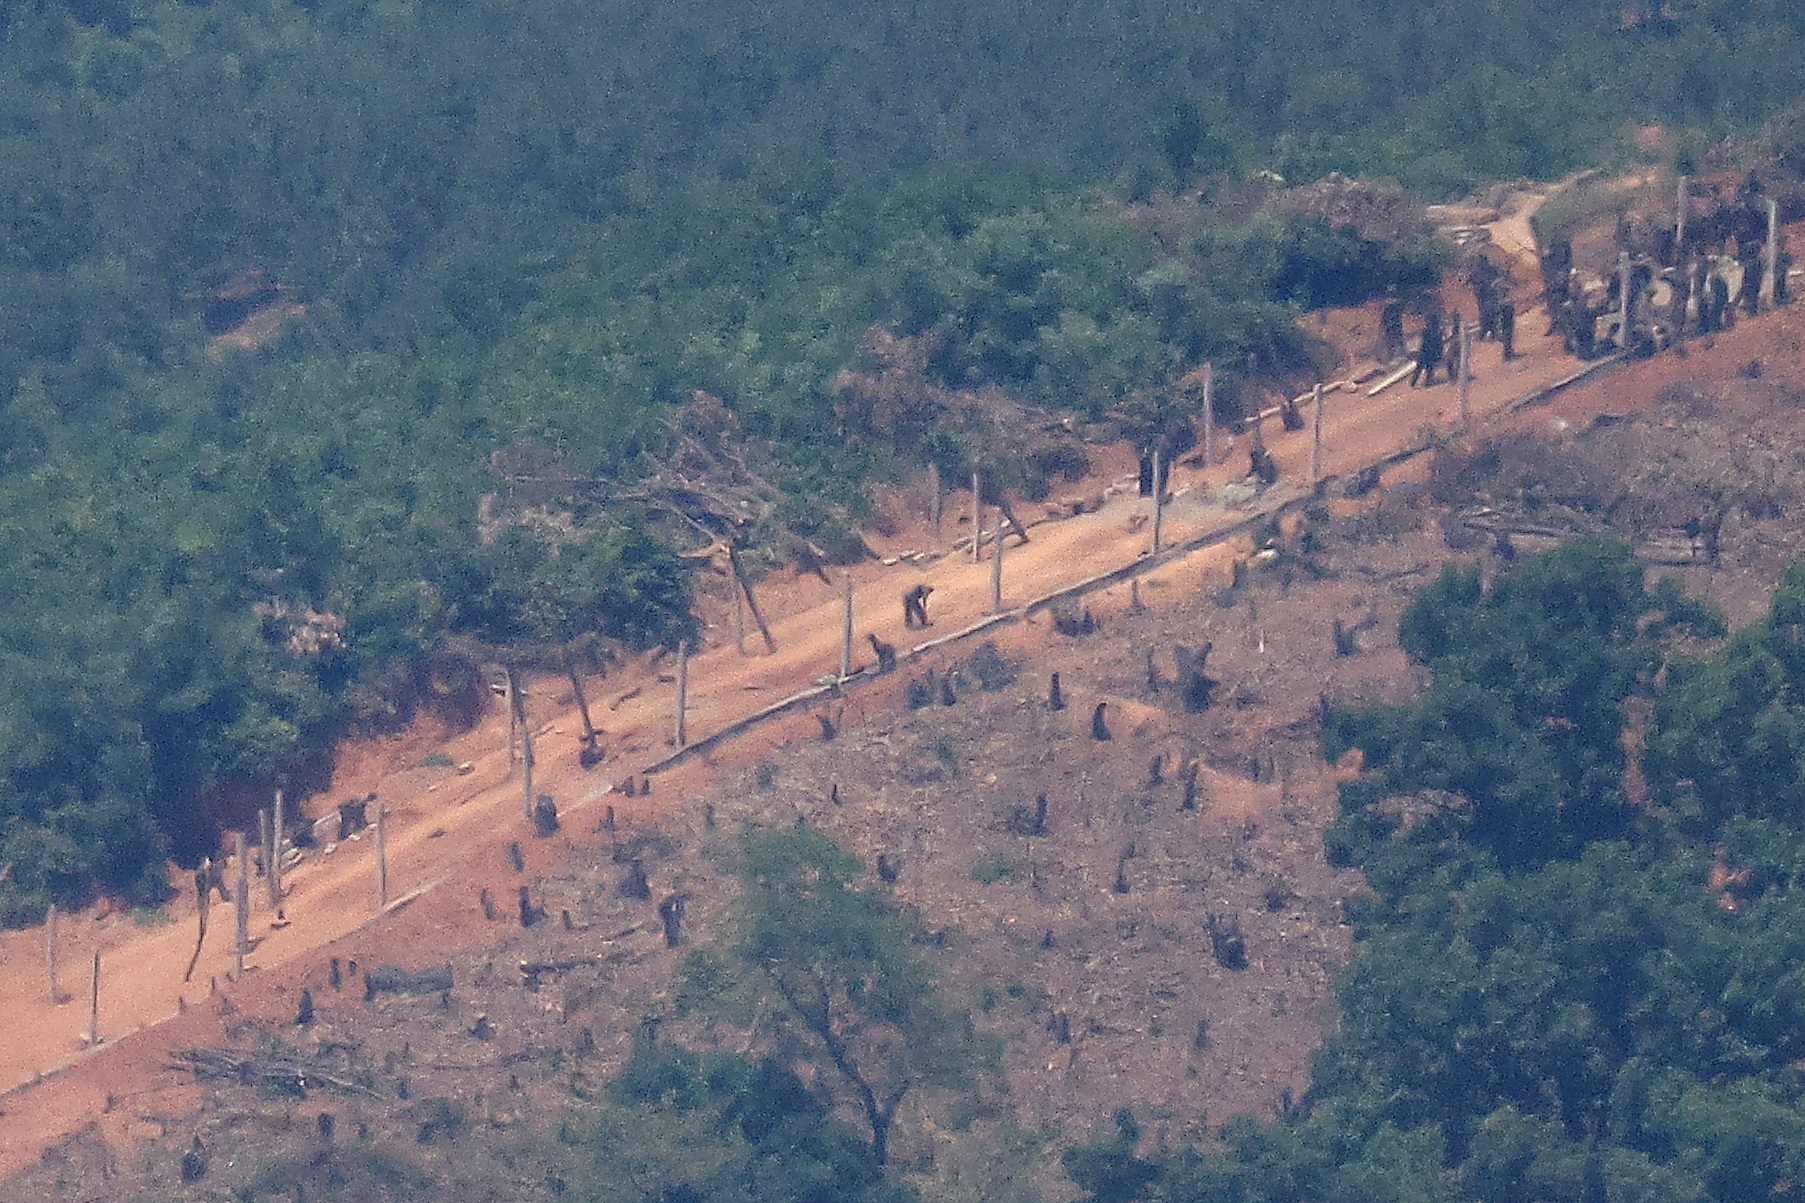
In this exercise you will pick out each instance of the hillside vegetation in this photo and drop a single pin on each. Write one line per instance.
(222, 554)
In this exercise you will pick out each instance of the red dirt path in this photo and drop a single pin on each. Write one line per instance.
(447, 833)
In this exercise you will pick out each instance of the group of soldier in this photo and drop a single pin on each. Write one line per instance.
(1440, 338)
(1674, 279)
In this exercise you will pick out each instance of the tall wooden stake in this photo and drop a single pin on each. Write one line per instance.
(682, 733)
(382, 858)
(977, 519)
(1209, 415)
(1679, 221)
(739, 574)
(1692, 297)
(846, 626)
(996, 566)
(1770, 265)
(526, 768)
(94, 1002)
(241, 903)
(50, 918)
(263, 842)
(275, 860)
(1316, 430)
(936, 498)
(513, 691)
(1159, 500)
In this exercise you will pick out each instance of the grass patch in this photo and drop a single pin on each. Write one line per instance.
(991, 868)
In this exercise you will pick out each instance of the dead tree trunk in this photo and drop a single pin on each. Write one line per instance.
(203, 893)
(582, 699)
(739, 575)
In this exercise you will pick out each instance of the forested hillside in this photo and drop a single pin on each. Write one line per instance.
(475, 225)
(1544, 1003)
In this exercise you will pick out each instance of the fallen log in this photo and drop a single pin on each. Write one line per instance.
(391, 979)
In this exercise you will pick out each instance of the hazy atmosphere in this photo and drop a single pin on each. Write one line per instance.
(1013, 602)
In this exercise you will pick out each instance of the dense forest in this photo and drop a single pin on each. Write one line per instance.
(220, 556)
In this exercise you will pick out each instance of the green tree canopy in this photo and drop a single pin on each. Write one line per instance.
(834, 960)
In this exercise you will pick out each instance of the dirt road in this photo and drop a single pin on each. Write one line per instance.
(448, 833)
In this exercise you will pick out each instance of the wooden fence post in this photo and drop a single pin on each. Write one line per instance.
(1159, 500)
(275, 860)
(50, 925)
(1316, 430)
(94, 1002)
(846, 626)
(263, 844)
(1679, 221)
(511, 688)
(382, 858)
(996, 566)
(1770, 265)
(526, 767)
(241, 904)
(1209, 415)
(682, 732)
(977, 519)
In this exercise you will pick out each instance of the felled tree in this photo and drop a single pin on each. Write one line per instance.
(834, 961)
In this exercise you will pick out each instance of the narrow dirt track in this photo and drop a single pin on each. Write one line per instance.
(447, 833)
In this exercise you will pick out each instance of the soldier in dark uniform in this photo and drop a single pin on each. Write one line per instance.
(1261, 465)
(1507, 328)
(1428, 355)
(915, 607)
(1557, 273)
(210, 877)
(1391, 329)
(1751, 279)
(1722, 316)
(1483, 280)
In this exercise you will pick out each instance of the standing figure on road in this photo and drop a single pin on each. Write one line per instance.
(1428, 355)
(1507, 328)
(1391, 329)
(915, 607)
